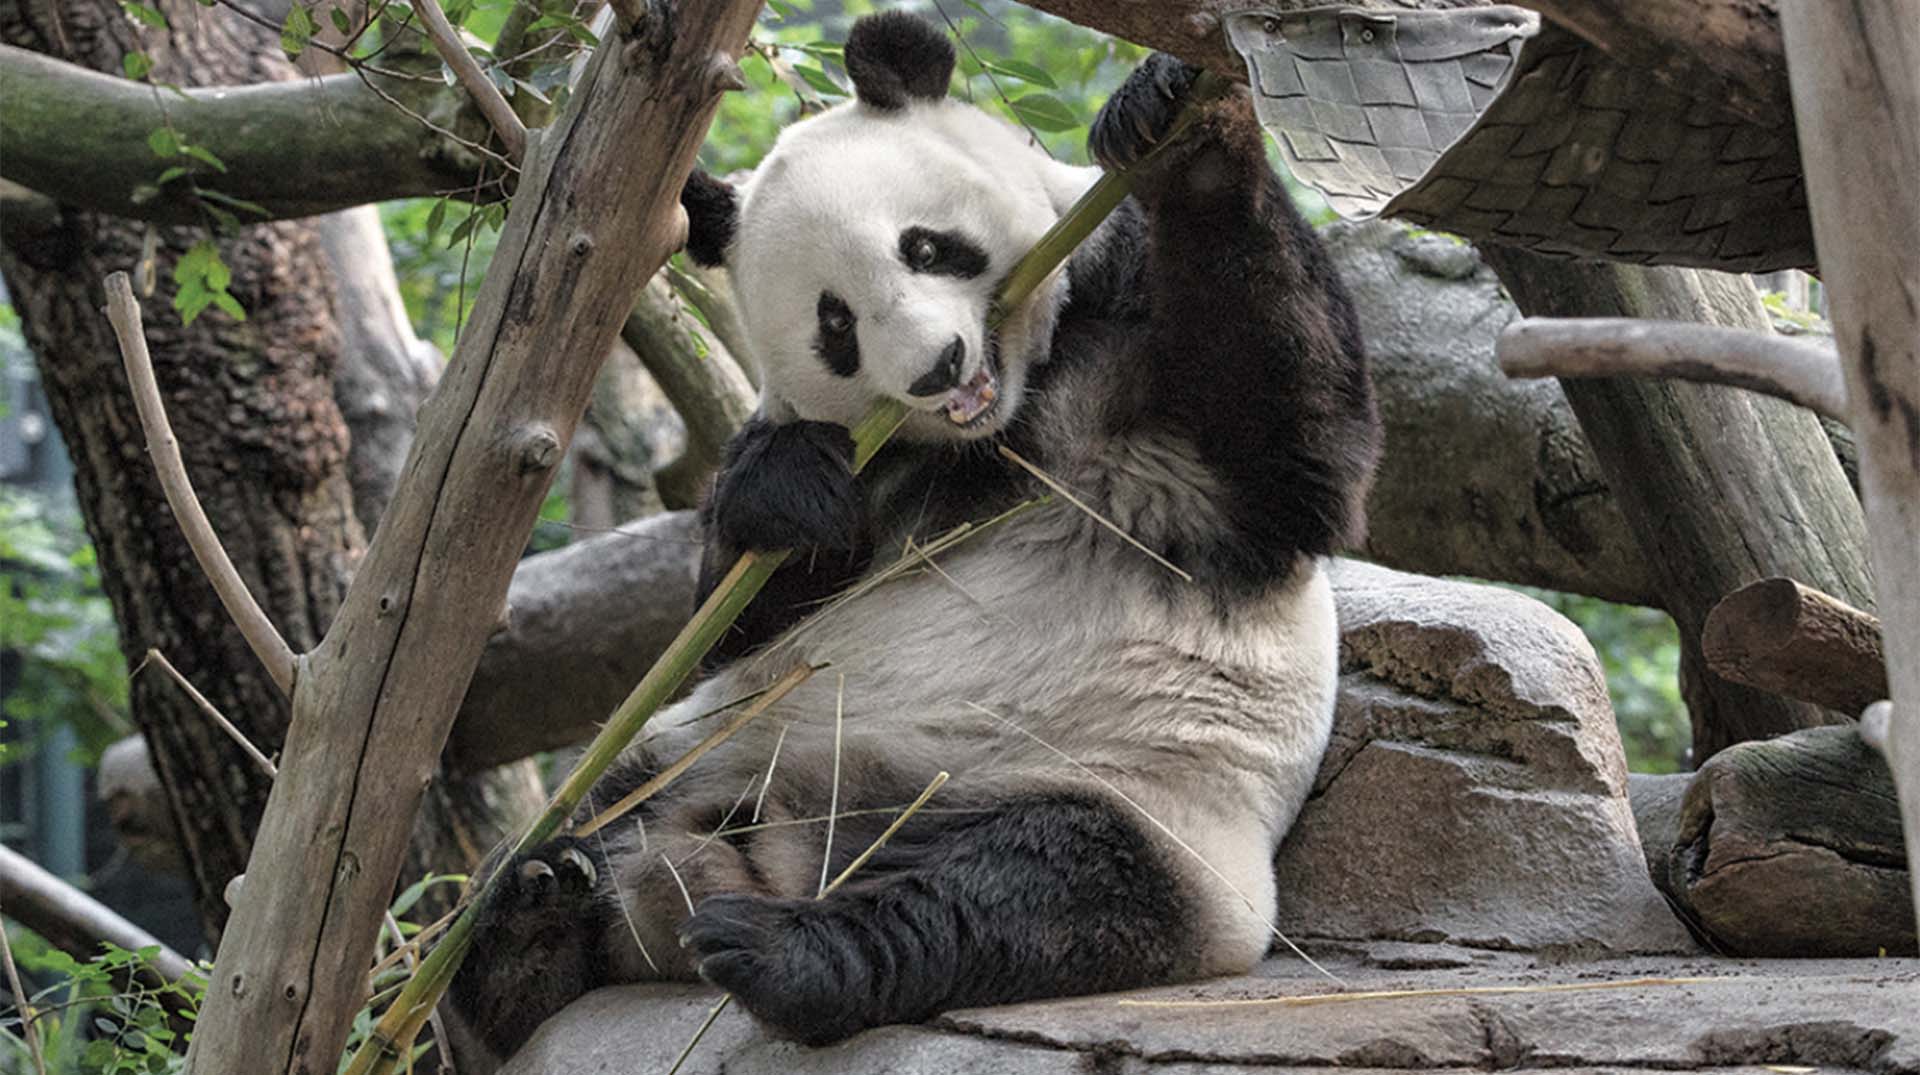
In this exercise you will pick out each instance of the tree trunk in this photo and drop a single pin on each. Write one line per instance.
(253, 406)
(1720, 487)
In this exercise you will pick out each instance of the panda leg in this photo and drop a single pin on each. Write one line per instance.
(1040, 895)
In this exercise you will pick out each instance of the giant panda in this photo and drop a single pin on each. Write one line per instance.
(1131, 678)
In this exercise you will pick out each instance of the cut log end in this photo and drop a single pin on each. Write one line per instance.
(1780, 636)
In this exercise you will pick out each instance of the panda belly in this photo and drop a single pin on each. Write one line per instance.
(1019, 666)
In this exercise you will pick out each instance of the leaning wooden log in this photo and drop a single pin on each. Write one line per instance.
(1795, 641)
(1792, 847)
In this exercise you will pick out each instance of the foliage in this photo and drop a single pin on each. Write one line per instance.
(98, 1019)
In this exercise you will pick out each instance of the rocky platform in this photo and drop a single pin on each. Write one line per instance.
(1469, 1010)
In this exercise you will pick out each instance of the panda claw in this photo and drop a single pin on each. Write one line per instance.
(578, 868)
(536, 875)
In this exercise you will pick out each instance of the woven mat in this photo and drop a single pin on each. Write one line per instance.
(1490, 124)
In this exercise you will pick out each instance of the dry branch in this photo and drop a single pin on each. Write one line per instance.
(75, 922)
(1793, 640)
(486, 96)
(1855, 67)
(586, 231)
(293, 148)
(272, 650)
(1800, 370)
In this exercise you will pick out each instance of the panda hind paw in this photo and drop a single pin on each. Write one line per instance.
(766, 953)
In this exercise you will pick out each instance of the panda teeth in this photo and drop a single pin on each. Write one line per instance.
(973, 399)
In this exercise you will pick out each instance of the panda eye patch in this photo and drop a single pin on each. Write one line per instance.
(942, 253)
(836, 344)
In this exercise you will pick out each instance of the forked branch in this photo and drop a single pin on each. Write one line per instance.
(272, 650)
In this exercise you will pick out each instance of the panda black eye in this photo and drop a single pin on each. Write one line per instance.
(837, 347)
(836, 318)
(942, 253)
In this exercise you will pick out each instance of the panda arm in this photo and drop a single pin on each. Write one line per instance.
(1251, 355)
(786, 485)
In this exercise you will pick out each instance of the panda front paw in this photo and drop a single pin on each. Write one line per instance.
(783, 961)
(788, 486)
(558, 871)
(1141, 111)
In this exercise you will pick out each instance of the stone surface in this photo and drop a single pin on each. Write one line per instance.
(1475, 789)
(1792, 847)
(1656, 799)
(1501, 1011)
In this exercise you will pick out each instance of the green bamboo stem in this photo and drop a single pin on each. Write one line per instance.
(394, 1033)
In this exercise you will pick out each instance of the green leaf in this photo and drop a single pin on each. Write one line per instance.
(296, 31)
(204, 155)
(144, 14)
(822, 82)
(230, 306)
(163, 142)
(171, 174)
(435, 218)
(1044, 112)
(241, 204)
(341, 22)
(136, 65)
(1021, 70)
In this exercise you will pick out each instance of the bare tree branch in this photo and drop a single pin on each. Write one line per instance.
(262, 637)
(293, 148)
(486, 96)
(73, 921)
(1801, 370)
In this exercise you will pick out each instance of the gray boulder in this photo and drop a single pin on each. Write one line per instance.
(1475, 791)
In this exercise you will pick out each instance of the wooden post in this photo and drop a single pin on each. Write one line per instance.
(597, 212)
(1855, 69)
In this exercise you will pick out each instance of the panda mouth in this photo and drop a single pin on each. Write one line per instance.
(971, 403)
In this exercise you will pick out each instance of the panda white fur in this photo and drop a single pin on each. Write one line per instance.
(1127, 746)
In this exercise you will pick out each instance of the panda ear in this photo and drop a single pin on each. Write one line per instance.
(896, 57)
(712, 211)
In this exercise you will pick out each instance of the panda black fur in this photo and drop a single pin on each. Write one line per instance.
(1195, 376)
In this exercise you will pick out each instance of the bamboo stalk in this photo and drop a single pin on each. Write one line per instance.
(393, 1034)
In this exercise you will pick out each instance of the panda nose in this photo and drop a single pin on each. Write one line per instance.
(945, 374)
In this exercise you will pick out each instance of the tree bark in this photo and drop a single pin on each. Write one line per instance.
(1791, 847)
(377, 698)
(265, 444)
(1720, 487)
(1856, 83)
(293, 147)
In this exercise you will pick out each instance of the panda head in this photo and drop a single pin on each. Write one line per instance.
(866, 249)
